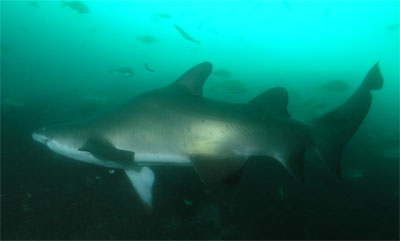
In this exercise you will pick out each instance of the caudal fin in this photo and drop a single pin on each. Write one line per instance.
(331, 132)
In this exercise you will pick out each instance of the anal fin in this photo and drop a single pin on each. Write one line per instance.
(234, 178)
(293, 161)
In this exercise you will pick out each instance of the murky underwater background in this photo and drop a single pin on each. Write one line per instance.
(63, 61)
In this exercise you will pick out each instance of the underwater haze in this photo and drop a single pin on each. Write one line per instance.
(64, 61)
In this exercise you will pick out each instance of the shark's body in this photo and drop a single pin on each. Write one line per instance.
(176, 125)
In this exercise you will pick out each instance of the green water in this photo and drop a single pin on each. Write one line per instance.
(59, 64)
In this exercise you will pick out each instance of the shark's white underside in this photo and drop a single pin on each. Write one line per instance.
(142, 159)
(142, 180)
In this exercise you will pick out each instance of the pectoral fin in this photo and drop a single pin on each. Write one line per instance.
(104, 150)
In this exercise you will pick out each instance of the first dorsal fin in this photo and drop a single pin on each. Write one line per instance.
(275, 99)
(193, 80)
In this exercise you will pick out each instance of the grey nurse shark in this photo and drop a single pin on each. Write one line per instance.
(177, 125)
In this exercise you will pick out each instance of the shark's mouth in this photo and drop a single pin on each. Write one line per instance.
(40, 138)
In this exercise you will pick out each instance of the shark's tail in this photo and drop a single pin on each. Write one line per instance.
(331, 132)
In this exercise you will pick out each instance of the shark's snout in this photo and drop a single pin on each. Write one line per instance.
(39, 137)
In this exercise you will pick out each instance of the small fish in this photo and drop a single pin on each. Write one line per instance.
(78, 6)
(148, 39)
(229, 86)
(358, 175)
(336, 86)
(391, 153)
(212, 30)
(326, 13)
(355, 174)
(392, 27)
(4, 48)
(185, 35)
(24, 29)
(148, 68)
(200, 25)
(222, 73)
(286, 4)
(93, 30)
(9, 102)
(125, 71)
(96, 99)
(163, 15)
(187, 202)
(281, 192)
(33, 4)
(310, 102)
(257, 5)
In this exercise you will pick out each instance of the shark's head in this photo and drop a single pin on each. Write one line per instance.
(65, 139)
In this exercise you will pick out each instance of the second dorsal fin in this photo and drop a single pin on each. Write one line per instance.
(275, 99)
(193, 80)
